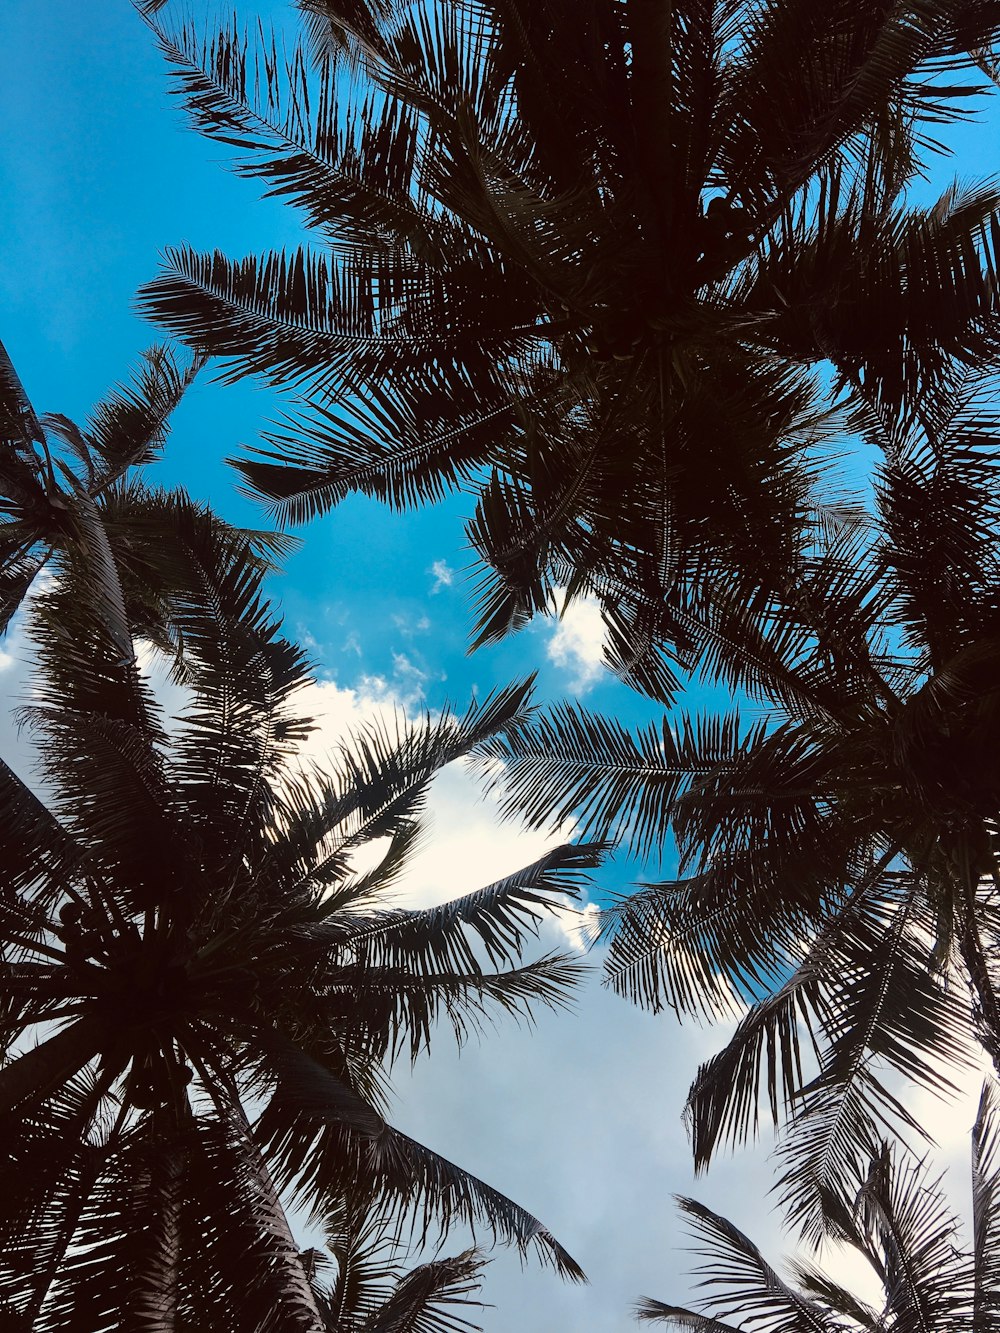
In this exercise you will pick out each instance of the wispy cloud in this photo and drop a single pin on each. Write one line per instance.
(444, 575)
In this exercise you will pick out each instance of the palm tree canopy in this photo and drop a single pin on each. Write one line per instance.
(837, 857)
(903, 1228)
(66, 488)
(372, 1292)
(201, 994)
(584, 258)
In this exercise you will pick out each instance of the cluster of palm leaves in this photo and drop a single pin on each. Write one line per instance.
(633, 274)
(201, 985)
(902, 1231)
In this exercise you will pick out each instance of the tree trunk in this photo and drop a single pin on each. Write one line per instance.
(285, 1250)
(155, 1308)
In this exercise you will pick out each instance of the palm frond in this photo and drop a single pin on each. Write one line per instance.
(985, 1210)
(569, 763)
(688, 1321)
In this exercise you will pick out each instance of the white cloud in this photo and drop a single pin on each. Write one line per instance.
(577, 642)
(444, 575)
(408, 626)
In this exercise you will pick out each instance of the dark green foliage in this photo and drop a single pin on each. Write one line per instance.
(899, 1224)
(582, 258)
(838, 859)
(214, 991)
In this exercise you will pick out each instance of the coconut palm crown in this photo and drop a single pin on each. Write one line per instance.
(838, 872)
(584, 257)
(903, 1228)
(68, 488)
(200, 991)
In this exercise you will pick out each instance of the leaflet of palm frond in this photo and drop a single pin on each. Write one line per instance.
(617, 784)
(92, 702)
(732, 934)
(611, 506)
(399, 1009)
(20, 429)
(37, 853)
(899, 1017)
(389, 445)
(320, 1155)
(17, 573)
(637, 649)
(130, 425)
(364, 1245)
(340, 324)
(810, 642)
(985, 1210)
(337, 32)
(513, 581)
(938, 499)
(52, 1163)
(801, 1013)
(830, 1294)
(34, 1074)
(374, 1293)
(383, 768)
(972, 24)
(688, 1321)
(925, 280)
(911, 1237)
(843, 83)
(740, 1283)
(243, 680)
(424, 1298)
(352, 158)
(501, 915)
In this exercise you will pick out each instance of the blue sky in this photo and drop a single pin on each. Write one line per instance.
(578, 1120)
(98, 175)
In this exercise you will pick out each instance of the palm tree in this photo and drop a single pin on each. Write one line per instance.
(901, 1225)
(584, 260)
(373, 1293)
(201, 989)
(72, 490)
(837, 880)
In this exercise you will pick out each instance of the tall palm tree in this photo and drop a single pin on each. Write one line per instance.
(904, 1229)
(584, 259)
(838, 857)
(201, 989)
